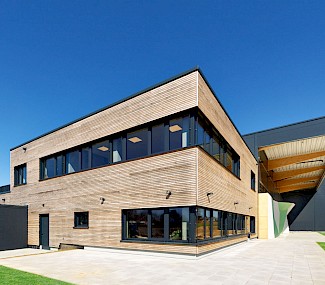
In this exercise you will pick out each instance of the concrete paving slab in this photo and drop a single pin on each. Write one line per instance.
(292, 259)
(22, 252)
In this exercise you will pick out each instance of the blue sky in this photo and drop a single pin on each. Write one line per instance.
(60, 60)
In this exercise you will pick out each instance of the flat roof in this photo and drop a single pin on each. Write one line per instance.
(284, 126)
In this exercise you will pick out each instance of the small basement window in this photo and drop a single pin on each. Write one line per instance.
(81, 220)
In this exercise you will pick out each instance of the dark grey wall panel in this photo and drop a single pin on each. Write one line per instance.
(320, 208)
(300, 199)
(305, 220)
(13, 227)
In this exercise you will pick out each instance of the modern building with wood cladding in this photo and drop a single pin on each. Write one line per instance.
(163, 170)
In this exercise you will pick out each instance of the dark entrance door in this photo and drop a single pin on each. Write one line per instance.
(44, 231)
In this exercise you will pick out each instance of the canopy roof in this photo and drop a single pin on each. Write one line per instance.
(296, 165)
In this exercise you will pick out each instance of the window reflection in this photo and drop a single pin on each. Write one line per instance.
(59, 165)
(157, 223)
(207, 223)
(200, 135)
(178, 223)
(229, 161)
(231, 224)
(137, 224)
(117, 150)
(73, 161)
(20, 175)
(100, 154)
(137, 144)
(207, 139)
(49, 168)
(86, 158)
(216, 224)
(157, 138)
(200, 224)
(178, 133)
(216, 151)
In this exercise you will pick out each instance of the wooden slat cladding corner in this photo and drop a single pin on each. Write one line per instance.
(226, 188)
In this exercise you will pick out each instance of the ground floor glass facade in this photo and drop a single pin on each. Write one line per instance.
(183, 224)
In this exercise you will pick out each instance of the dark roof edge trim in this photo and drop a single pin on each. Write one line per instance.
(284, 126)
(114, 104)
(215, 96)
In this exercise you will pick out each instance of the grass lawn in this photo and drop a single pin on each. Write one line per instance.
(322, 233)
(322, 245)
(10, 276)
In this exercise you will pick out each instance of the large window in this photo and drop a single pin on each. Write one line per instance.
(86, 158)
(50, 167)
(81, 220)
(217, 224)
(231, 224)
(137, 144)
(200, 227)
(73, 161)
(137, 224)
(117, 150)
(59, 165)
(157, 224)
(181, 224)
(20, 175)
(158, 139)
(163, 224)
(178, 133)
(100, 153)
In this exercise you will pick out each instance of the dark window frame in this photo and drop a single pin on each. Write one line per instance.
(77, 217)
(253, 181)
(236, 228)
(166, 237)
(201, 122)
(20, 174)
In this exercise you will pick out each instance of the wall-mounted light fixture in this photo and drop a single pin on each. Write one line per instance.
(3, 200)
(102, 200)
(250, 208)
(236, 203)
(43, 205)
(208, 195)
(168, 193)
(24, 148)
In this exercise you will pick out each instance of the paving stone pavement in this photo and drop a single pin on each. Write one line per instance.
(294, 258)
